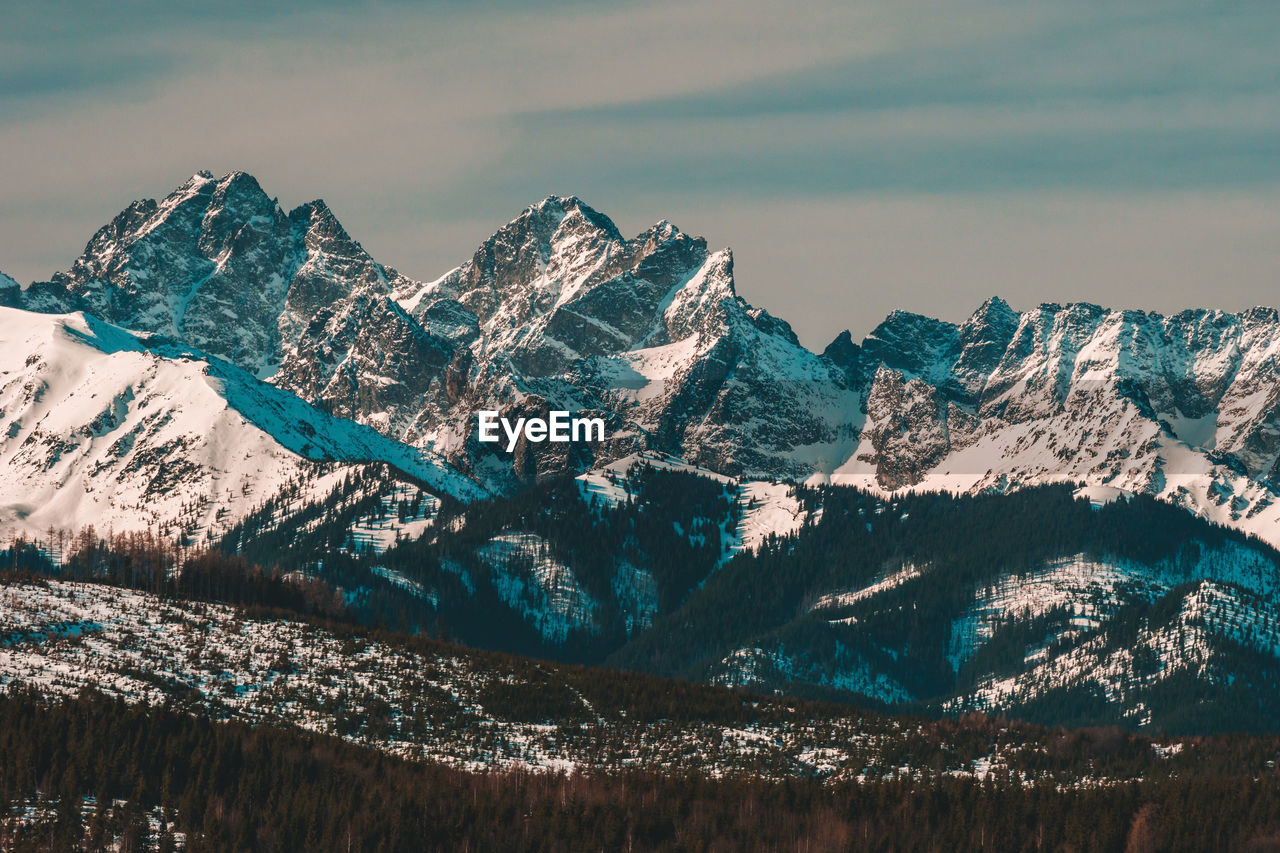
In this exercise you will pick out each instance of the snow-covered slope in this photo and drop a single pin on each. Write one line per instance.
(99, 426)
(441, 704)
(1184, 407)
(558, 310)
(764, 507)
(1138, 615)
(1202, 628)
(533, 583)
(555, 311)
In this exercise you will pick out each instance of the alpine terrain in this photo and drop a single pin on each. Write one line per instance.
(1068, 513)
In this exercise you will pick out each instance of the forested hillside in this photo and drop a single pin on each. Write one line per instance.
(97, 774)
(1040, 602)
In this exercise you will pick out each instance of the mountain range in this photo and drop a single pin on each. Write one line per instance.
(557, 310)
(218, 369)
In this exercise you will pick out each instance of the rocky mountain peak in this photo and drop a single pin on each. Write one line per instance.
(842, 349)
(217, 263)
(993, 311)
(326, 250)
(848, 357)
(913, 343)
(558, 310)
(1261, 315)
(984, 338)
(319, 220)
(575, 209)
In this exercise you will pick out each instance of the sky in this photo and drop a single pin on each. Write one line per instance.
(859, 157)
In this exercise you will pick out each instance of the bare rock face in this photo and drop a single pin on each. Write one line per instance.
(220, 266)
(209, 264)
(983, 340)
(912, 427)
(1184, 407)
(649, 331)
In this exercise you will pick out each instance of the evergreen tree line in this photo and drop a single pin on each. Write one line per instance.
(948, 549)
(143, 561)
(229, 786)
(671, 525)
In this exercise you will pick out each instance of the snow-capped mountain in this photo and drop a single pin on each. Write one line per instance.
(215, 366)
(1184, 407)
(104, 427)
(558, 310)
(220, 266)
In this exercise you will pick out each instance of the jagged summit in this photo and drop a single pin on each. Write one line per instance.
(117, 413)
(994, 305)
(566, 206)
(216, 263)
(842, 343)
(318, 214)
(649, 328)
(557, 309)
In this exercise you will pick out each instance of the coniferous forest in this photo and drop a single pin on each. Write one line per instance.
(90, 771)
(96, 774)
(914, 487)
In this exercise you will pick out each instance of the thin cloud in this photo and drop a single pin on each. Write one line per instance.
(426, 126)
(1145, 96)
(1096, 57)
